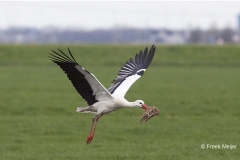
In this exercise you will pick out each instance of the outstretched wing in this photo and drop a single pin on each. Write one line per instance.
(131, 72)
(84, 82)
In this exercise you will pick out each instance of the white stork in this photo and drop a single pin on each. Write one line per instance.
(101, 100)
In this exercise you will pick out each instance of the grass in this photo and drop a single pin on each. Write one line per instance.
(196, 88)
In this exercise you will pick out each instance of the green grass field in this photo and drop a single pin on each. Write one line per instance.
(196, 88)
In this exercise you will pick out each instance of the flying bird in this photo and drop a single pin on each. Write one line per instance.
(99, 99)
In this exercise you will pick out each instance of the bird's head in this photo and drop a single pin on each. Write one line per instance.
(141, 104)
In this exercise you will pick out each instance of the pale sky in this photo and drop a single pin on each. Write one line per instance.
(108, 14)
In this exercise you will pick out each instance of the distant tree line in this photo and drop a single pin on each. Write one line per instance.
(119, 35)
(214, 36)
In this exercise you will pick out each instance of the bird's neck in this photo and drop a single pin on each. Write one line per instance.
(130, 105)
(125, 103)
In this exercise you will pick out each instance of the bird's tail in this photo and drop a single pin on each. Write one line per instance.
(84, 110)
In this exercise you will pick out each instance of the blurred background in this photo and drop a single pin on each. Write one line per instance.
(159, 22)
(193, 79)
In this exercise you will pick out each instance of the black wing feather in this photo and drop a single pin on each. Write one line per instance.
(63, 56)
(145, 55)
(77, 78)
(137, 59)
(131, 67)
(71, 55)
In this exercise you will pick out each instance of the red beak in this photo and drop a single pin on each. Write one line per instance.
(144, 106)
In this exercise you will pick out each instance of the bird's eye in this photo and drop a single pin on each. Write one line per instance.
(140, 102)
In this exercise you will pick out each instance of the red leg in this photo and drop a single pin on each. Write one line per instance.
(95, 126)
(90, 137)
(92, 131)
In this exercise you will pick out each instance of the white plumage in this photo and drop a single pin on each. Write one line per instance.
(101, 100)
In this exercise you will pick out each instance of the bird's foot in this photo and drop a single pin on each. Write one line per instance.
(89, 139)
